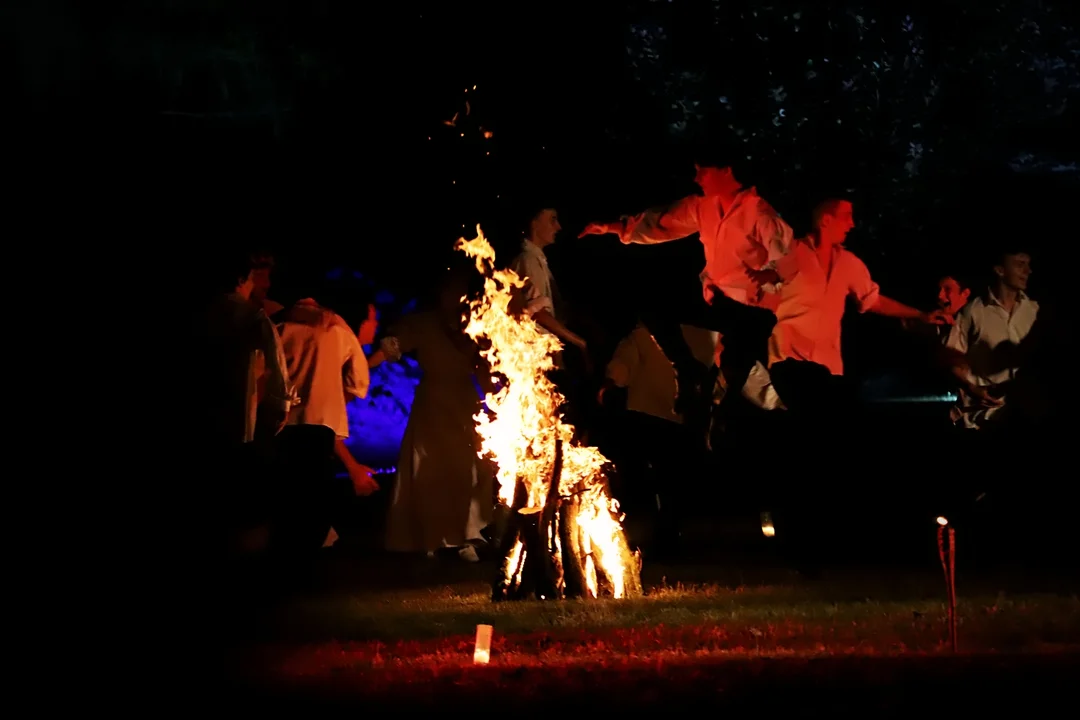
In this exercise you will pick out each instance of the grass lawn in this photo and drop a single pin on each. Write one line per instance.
(858, 630)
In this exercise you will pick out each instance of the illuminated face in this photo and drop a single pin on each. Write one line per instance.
(951, 295)
(1015, 271)
(368, 328)
(544, 227)
(839, 223)
(260, 278)
(716, 181)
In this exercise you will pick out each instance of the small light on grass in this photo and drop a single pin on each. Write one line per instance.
(482, 653)
(767, 527)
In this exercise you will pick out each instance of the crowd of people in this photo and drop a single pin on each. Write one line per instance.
(765, 334)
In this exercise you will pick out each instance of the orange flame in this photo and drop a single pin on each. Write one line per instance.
(524, 424)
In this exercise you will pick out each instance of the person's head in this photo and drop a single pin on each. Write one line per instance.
(461, 284)
(833, 219)
(1013, 268)
(542, 225)
(232, 273)
(718, 172)
(953, 294)
(262, 263)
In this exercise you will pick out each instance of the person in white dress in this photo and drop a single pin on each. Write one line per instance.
(443, 492)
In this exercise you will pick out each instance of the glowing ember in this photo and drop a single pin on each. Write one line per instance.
(524, 433)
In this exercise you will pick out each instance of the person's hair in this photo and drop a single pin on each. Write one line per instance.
(460, 273)
(961, 279)
(721, 155)
(530, 211)
(229, 268)
(1006, 248)
(262, 259)
(823, 208)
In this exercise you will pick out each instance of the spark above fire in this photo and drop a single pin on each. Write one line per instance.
(565, 537)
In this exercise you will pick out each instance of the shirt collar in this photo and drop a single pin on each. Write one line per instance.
(991, 298)
(530, 247)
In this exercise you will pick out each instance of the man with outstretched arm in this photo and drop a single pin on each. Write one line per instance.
(740, 232)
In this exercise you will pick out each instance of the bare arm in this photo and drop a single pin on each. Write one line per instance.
(891, 308)
(547, 321)
(360, 474)
(377, 358)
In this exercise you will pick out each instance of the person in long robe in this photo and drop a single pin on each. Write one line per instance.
(443, 491)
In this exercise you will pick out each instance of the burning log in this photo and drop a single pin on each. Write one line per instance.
(529, 565)
(547, 553)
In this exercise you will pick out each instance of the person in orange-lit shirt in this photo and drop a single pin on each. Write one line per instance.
(804, 349)
(323, 349)
(740, 232)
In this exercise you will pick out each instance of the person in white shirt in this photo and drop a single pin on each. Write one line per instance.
(540, 291)
(821, 276)
(323, 349)
(541, 301)
(989, 332)
(740, 232)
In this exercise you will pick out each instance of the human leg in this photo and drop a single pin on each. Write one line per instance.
(746, 332)
(306, 490)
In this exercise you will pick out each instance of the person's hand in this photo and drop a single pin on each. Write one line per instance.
(363, 483)
(597, 229)
(763, 277)
(758, 280)
(937, 317)
(985, 398)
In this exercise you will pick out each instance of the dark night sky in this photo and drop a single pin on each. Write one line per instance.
(306, 125)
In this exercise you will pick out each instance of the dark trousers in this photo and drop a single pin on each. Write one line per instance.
(745, 332)
(810, 391)
(656, 463)
(819, 409)
(311, 498)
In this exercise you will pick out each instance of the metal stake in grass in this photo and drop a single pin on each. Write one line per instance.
(949, 567)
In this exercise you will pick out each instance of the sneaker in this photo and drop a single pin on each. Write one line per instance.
(468, 554)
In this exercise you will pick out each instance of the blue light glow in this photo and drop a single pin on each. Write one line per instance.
(377, 423)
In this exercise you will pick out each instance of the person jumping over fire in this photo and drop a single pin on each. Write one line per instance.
(740, 232)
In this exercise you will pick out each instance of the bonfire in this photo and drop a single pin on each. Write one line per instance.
(564, 537)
